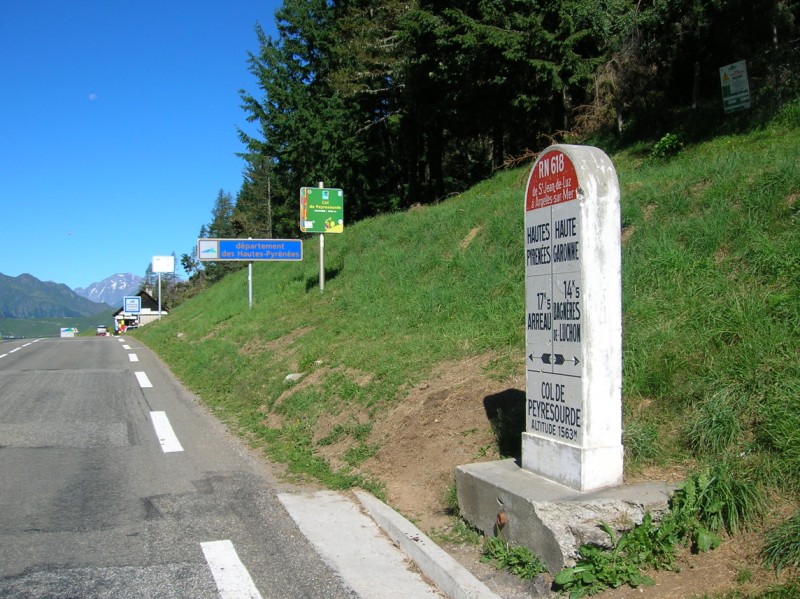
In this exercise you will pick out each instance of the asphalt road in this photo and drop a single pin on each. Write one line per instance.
(113, 488)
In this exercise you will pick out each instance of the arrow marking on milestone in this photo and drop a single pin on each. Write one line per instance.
(545, 358)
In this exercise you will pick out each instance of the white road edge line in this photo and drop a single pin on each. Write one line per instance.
(143, 380)
(133, 357)
(232, 578)
(15, 349)
(166, 436)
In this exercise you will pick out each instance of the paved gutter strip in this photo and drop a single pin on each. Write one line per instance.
(352, 544)
(450, 576)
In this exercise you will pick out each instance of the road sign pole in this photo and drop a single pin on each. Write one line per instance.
(322, 262)
(250, 285)
(162, 264)
(321, 255)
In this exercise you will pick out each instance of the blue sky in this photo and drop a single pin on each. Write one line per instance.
(118, 127)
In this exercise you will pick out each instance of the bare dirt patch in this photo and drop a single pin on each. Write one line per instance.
(256, 345)
(446, 421)
(734, 565)
(443, 423)
(627, 233)
(464, 244)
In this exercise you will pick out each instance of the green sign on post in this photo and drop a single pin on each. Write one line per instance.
(321, 210)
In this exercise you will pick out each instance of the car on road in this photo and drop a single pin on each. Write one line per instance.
(101, 331)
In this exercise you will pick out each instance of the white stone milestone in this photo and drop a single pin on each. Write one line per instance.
(574, 319)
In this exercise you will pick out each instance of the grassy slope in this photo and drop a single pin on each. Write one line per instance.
(711, 299)
(711, 275)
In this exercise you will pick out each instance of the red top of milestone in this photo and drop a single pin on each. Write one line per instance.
(553, 180)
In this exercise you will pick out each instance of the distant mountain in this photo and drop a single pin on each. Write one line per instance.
(112, 290)
(26, 296)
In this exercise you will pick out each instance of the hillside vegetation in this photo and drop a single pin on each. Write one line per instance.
(407, 102)
(711, 308)
(25, 296)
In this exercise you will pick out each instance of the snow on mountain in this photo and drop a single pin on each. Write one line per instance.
(112, 290)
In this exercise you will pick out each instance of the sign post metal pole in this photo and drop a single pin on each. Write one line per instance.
(321, 185)
(162, 264)
(322, 262)
(250, 283)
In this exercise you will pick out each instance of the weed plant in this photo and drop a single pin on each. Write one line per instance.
(667, 146)
(516, 559)
(450, 500)
(712, 501)
(599, 569)
(705, 505)
(457, 532)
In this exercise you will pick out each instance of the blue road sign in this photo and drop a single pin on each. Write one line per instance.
(249, 250)
(132, 304)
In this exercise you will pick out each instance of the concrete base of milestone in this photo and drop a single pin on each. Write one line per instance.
(500, 498)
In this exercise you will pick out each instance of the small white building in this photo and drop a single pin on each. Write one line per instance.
(149, 312)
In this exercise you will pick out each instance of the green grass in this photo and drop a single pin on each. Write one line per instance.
(516, 559)
(782, 550)
(401, 295)
(711, 317)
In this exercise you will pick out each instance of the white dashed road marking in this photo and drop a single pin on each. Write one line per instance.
(143, 380)
(166, 436)
(133, 357)
(232, 578)
(19, 348)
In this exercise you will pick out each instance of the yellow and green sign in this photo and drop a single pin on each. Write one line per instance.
(321, 210)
